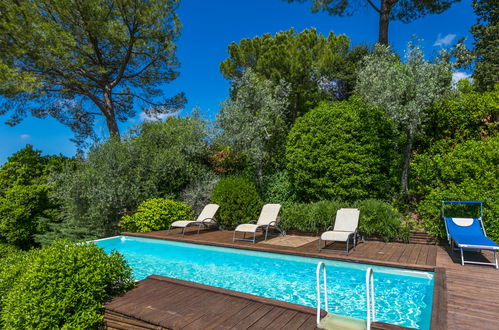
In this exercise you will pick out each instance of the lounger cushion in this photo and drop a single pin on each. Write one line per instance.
(247, 228)
(469, 235)
(183, 223)
(340, 236)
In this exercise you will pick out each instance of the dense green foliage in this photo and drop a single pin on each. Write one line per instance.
(403, 90)
(80, 60)
(469, 171)
(462, 115)
(156, 214)
(253, 122)
(486, 35)
(161, 159)
(238, 199)
(316, 67)
(25, 206)
(310, 217)
(377, 218)
(278, 189)
(380, 219)
(6, 249)
(60, 286)
(342, 150)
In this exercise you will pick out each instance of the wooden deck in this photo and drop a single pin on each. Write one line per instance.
(472, 292)
(465, 297)
(165, 303)
(174, 304)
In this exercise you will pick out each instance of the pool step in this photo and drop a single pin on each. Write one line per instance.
(339, 322)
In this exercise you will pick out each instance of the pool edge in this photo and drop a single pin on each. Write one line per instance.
(273, 249)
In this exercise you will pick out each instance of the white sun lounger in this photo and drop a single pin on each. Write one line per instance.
(345, 229)
(268, 218)
(206, 218)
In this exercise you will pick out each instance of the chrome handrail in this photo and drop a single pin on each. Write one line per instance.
(318, 286)
(371, 315)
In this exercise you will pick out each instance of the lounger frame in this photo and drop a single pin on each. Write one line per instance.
(203, 223)
(355, 235)
(455, 246)
(266, 227)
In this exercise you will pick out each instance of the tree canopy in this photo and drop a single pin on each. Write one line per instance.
(403, 90)
(316, 67)
(75, 60)
(388, 10)
(253, 123)
(486, 35)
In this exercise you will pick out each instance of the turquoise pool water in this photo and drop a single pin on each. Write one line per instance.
(403, 297)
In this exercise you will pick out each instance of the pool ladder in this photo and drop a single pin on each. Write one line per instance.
(371, 315)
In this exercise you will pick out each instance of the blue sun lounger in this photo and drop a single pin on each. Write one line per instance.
(468, 234)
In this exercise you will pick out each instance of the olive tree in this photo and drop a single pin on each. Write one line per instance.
(253, 122)
(404, 90)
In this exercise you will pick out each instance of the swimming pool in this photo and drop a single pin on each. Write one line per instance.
(403, 297)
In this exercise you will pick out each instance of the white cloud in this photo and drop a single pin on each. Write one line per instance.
(459, 75)
(444, 41)
(25, 136)
(147, 117)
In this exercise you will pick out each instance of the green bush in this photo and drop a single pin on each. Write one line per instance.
(469, 171)
(24, 195)
(313, 217)
(278, 189)
(378, 218)
(12, 266)
(6, 249)
(156, 214)
(342, 150)
(20, 210)
(61, 286)
(238, 199)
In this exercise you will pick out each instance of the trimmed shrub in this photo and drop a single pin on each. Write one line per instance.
(156, 214)
(6, 249)
(342, 150)
(62, 286)
(238, 199)
(12, 266)
(378, 218)
(313, 217)
(469, 171)
(277, 188)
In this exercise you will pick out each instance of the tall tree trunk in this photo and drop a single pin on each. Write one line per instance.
(259, 174)
(384, 20)
(112, 125)
(404, 182)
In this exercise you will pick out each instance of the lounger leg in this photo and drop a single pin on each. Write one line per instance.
(462, 257)
(254, 237)
(348, 239)
(199, 228)
(319, 244)
(266, 232)
(234, 237)
(183, 231)
(495, 259)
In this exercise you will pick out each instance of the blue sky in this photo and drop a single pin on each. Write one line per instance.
(210, 26)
